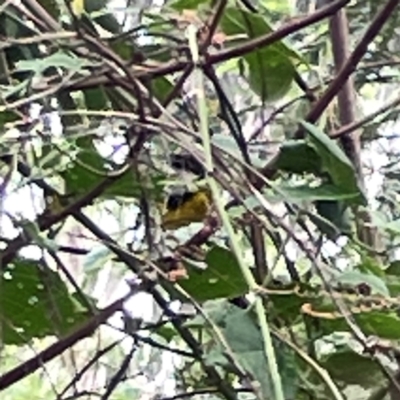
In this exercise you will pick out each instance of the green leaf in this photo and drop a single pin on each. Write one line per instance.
(237, 21)
(221, 279)
(370, 265)
(68, 103)
(161, 88)
(124, 49)
(37, 236)
(11, 90)
(127, 186)
(383, 324)
(244, 339)
(276, 6)
(286, 306)
(35, 303)
(155, 51)
(391, 226)
(302, 193)
(271, 71)
(394, 268)
(334, 161)
(337, 215)
(52, 157)
(97, 258)
(51, 7)
(298, 157)
(229, 145)
(89, 169)
(96, 98)
(393, 278)
(355, 278)
(6, 117)
(60, 59)
(353, 369)
(181, 5)
(95, 5)
(109, 23)
(167, 331)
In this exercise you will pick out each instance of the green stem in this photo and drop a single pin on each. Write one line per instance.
(217, 198)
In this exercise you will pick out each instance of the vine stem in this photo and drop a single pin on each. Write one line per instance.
(217, 198)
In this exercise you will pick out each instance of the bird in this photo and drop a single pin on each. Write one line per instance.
(185, 208)
(184, 205)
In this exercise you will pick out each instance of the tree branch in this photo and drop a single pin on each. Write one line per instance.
(31, 365)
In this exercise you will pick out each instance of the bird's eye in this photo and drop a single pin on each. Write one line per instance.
(176, 200)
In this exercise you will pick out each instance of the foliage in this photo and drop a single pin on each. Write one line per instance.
(288, 288)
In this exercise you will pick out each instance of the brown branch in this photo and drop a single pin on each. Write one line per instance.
(360, 123)
(40, 12)
(198, 392)
(337, 83)
(46, 221)
(266, 40)
(31, 365)
(351, 64)
(119, 376)
(79, 374)
(212, 25)
(178, 85)
(174, 66)
(132, 264)
(340, 38)
(224, 387)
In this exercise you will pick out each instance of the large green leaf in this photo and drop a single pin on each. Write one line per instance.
(271, 71)
(35, 302)
(286, 304)
(245, 340)
(353, 369)
(221, 279)
(68, 103)
(392, 277)
(88, 170)
(299, 157)
(384, 324)
(336, 218)
(334, 161)
(300, 193)
(237, 21)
